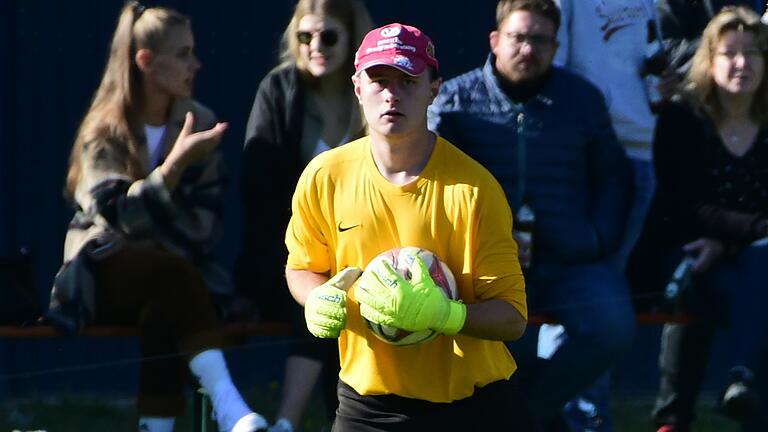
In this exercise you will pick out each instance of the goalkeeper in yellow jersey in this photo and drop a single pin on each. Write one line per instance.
(404, 186)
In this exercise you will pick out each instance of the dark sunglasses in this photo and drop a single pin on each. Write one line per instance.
(327, 37)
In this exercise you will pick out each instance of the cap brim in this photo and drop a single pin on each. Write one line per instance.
(419, 66)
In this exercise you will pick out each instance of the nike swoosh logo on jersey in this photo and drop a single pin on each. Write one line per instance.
(342, 229)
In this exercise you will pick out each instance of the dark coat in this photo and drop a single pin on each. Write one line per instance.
(558, 148)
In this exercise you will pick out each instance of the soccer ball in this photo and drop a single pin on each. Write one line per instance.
(440, 273)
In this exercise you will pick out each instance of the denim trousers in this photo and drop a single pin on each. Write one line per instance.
(592, 303)
(590, 410)
(731, 296)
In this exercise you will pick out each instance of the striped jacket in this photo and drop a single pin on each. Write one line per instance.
(187, 222)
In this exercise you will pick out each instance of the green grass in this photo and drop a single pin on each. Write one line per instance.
(632, 414)
(79, 413)
(85, 414)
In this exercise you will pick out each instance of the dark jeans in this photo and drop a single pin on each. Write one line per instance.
(683, 362)
(168, 299)
(592, 303)
(731, 296)
(497, 406)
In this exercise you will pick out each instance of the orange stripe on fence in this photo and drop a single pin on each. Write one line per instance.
(269, 328)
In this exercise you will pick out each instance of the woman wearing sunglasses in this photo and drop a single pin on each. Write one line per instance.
(302, 107)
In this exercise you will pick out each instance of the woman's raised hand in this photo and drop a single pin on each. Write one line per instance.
(189, 149)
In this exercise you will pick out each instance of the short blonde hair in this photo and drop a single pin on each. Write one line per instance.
(700, 88)
(351, 13)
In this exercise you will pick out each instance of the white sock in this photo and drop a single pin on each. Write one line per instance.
(156, 424)
(211, 370)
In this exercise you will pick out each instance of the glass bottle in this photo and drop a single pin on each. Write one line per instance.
(679, 283)
(524, 226)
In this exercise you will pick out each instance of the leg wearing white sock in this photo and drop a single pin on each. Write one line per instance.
(156, 424)
(211, 370)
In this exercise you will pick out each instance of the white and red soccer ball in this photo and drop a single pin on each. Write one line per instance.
(439, 272)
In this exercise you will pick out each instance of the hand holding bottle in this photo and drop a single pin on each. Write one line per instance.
(525, 220)
(678, 284)
(706, 251)
(524, 248)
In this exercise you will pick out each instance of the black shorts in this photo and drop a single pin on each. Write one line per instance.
(497, 406)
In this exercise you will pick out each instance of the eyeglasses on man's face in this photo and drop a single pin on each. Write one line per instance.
(534, 40)
(327, 37)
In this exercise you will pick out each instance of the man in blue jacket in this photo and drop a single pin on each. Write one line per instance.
(546, 135)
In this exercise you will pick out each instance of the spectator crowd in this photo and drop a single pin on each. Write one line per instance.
(629, 139)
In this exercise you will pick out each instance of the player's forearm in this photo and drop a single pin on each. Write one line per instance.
(494, 320)
(301, 282)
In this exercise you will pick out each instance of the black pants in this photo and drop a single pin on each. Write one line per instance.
(168, 298)
(497, 406)
(683, 363)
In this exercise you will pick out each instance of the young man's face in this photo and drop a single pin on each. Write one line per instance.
(524, 46)
(393, 102)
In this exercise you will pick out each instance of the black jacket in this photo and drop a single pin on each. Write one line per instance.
(270, 169)
(689, 202)
(272, 165)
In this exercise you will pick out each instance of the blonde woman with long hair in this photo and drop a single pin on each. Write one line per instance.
(145, 179)
(711, 204)
(302, 107)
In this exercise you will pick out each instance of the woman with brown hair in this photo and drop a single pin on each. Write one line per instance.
(711, 160)
(145, 180)
(302, 107)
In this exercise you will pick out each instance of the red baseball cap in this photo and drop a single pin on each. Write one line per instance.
(400, 46)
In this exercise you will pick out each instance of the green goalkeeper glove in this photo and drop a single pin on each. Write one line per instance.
(419, 304)
(326, 307)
